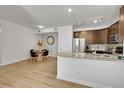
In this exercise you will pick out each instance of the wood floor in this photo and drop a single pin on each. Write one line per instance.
(33, 75)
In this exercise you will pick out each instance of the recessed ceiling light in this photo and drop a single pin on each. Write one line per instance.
(69, 10)
(40, 26)
(95, 21)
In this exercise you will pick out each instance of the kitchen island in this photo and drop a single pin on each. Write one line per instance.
(91, 70)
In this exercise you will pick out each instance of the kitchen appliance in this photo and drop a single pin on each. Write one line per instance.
(113, 38)
(79, 45)
(119, 49)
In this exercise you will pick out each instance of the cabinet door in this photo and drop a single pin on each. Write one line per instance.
(121, 25)
(114, 30)
(89, 37)
(76, 34)
(92, 37)
(81, 34)
(96, 37)
(103, 34)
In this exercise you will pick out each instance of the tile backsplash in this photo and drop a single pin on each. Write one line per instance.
(102, 46)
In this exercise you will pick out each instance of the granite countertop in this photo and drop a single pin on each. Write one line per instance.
(105, 57)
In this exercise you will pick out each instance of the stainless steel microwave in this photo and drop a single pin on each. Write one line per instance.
(113, 38)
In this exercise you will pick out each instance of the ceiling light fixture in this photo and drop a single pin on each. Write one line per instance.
(69, 10)
(40, 26)
(95, 21)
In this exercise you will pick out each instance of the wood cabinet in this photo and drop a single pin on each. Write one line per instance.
(103, 36)
(113, 30)
(97, 37)
(89, 37)
(121, 25)
(93, 36)
(80, 34)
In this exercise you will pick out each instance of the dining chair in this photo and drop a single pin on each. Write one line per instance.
(33, 56)
(45, 55)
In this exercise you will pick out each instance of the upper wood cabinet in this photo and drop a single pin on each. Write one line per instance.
(97, 37)
(89, 37)
(113, 30)
(80, 34)
(94, 36)
(121, 25)
(103, 36)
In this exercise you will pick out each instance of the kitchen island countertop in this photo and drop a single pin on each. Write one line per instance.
(104, 57)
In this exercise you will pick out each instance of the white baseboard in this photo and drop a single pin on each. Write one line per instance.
(12, 62)
(52, 55)
(67, 78)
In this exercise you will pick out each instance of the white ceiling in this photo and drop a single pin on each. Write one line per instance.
(57, 15)
(19, 15)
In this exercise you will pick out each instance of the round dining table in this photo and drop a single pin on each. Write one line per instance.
(39, 55)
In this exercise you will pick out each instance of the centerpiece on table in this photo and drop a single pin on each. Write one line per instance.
(39, 44)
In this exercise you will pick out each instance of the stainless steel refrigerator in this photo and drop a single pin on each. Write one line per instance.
(79, 45)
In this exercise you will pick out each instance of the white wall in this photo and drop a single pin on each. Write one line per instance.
(0, 45)
(65, 36)
(63, 39)
(17, 41)
(53, 49)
